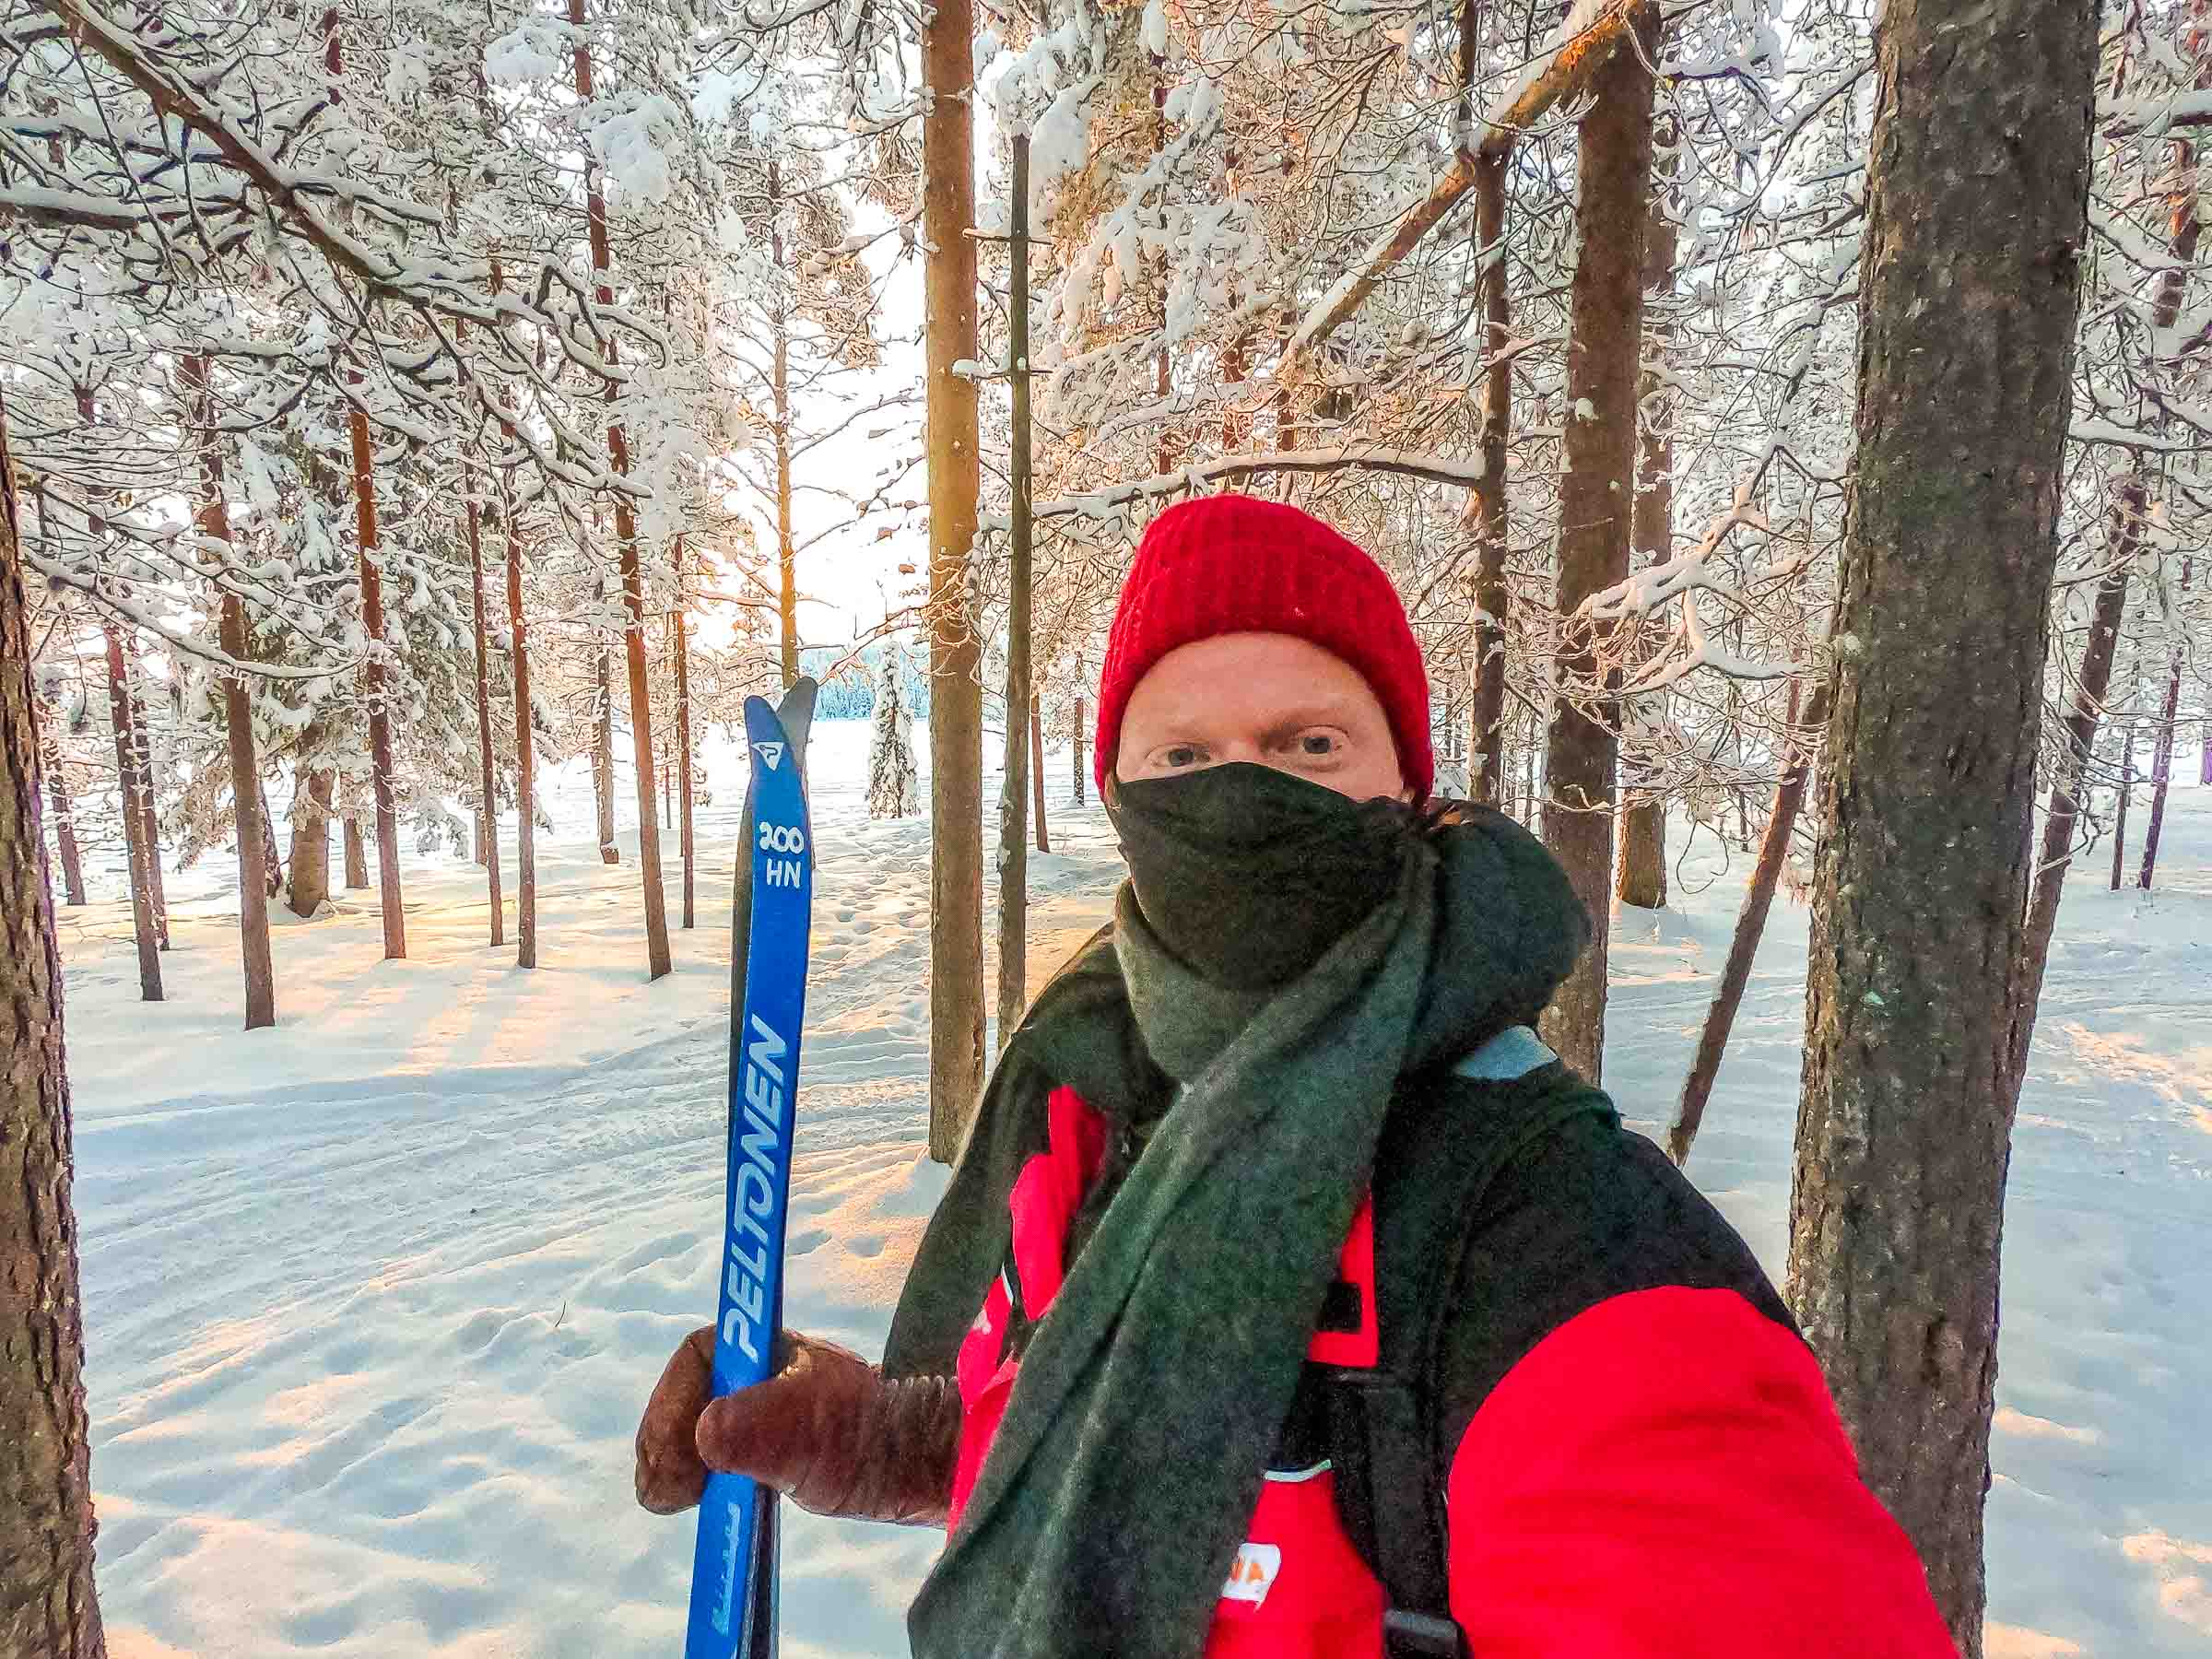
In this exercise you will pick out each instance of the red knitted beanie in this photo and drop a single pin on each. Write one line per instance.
(1225, 564)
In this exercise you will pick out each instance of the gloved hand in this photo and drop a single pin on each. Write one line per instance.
(826, 1429)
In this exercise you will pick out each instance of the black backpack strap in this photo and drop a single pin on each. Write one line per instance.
(1439, 1152)
(1388, 1498)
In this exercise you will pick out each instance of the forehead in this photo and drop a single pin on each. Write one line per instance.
(1250, 680)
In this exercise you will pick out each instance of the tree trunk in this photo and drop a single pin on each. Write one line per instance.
(309, 871)
(1642, 879)
(1080, 735)
(64, 826)
(2161, 773)
(683, 755)
(526, 764)
(603, 752)
(48, 1607)
(1597, 494)
(657, 959)
(134, 835)
(1530, 750)
(486, 771)
(1163, 448)
(372, 684)
(356, 857)
(272, 856)
(149, 822)
(144, 855)
(255, 863)
(2047, 878)
(787, 563)
(955, 709)
(1751, 926)
(1927, 788)
(1014, 786)
(2127, 789)
(1486, 736)
(1044, 839)
(1642, 875)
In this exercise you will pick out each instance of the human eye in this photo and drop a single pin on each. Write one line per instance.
(1175, 758)
(1318, 746)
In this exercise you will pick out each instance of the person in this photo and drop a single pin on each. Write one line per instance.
(1168, 1238)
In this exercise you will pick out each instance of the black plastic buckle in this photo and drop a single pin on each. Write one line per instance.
(1420, 1636)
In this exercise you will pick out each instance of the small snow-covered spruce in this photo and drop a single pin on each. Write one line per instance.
(894, 790)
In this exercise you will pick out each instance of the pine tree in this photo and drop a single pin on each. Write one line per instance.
(894, 788)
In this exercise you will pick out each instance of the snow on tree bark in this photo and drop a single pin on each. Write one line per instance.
(48, 1607)
(134, 841)
(488, 789)
(1598, 498)
(526, 760)
(64, 826)
(144, 786)
(256, 865)
(1970, 290)
(603, 750)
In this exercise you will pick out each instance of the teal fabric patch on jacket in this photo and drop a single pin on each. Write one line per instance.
(1514, 1052)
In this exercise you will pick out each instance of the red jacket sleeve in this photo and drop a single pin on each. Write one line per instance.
(1664, 1475)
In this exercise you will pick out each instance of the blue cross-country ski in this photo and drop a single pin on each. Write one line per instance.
(733, 1572)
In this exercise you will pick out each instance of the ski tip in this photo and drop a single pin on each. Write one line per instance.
(761, 721)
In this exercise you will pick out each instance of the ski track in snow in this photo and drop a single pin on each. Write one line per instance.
(372, 1301)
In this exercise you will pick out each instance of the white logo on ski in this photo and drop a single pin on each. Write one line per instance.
(773, 753)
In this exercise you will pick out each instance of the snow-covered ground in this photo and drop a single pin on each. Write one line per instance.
(372, 1300)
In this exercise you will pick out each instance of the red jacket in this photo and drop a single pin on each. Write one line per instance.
(1646, 1461)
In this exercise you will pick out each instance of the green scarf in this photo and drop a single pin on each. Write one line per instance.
(1138, 1435)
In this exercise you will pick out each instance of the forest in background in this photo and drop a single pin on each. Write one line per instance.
(404, 399)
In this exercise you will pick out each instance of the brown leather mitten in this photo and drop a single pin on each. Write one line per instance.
(826, 1429)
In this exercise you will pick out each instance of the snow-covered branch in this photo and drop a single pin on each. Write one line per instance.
(1578, 48)
(1114, 500)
